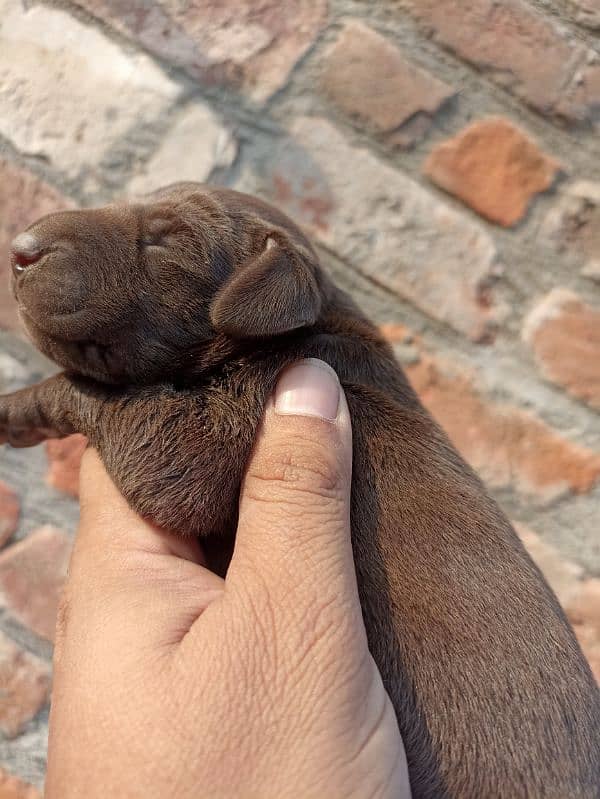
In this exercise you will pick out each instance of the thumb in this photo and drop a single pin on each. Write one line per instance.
(294, 516)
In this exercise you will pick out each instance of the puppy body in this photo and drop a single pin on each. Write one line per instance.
(168, 379)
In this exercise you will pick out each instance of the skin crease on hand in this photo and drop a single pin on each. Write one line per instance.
(171, 682)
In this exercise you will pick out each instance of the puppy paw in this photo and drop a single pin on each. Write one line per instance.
(14, 427)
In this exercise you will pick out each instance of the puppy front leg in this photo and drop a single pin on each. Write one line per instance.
(50, 409)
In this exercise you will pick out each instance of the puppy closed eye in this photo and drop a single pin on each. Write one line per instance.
(156, 231)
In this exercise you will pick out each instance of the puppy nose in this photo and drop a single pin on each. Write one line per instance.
(25, 250)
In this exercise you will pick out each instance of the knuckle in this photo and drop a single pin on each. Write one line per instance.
(295, 473)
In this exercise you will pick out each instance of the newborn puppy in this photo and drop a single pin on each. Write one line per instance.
(172, 319)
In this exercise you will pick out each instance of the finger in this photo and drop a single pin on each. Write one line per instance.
(294, 520)
(147, 581)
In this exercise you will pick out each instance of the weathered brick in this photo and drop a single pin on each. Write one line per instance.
(23, 199)
(369, 79)
(590, 645)
(584, 612)
(573, 225)
(519, 48)
(25, 687)
(196, 144)
(64, 456)
(563, 576)
(32, 573)
(12, 787)
(579, 597)
(241, 43)
(68, 94)
(407, 347)
(494, 167)
(564, 334)
(395, 333)
(508, 447)
(9, 512)
(587, 12)
(384, 224)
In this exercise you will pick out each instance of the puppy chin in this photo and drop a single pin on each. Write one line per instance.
(71, 325)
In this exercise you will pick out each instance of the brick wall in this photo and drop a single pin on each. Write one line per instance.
(444, 155)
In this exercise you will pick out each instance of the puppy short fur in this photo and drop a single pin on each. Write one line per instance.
(172, 318)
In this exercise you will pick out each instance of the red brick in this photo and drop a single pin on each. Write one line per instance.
(563, 576)
(519, 48)
(32, 574)
(494, 167)
(23, 199)
(508, 447)
(564, 335)
(590, 644)
(13, 788)
(584, 613)
(241, 43)
(369, 79)
(9, 512)
(396, 333)
(64, 456)
(25, 682)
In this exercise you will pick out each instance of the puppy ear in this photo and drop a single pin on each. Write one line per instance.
(274, 293)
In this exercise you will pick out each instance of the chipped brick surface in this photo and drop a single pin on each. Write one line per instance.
(584, 613)
(507, 446)
(23, 199)
(64, 456)
(9, 512)
(11, 787)
(494, 167)
(564, 334)
(519, 48)
(573, 225)
(232, 42)
(563, 576)
(67, 92)
(370, 79)
(207, 145)
(587, 12)
(32, 574)
(24, 687)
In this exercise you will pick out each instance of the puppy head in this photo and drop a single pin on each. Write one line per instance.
(128, 292)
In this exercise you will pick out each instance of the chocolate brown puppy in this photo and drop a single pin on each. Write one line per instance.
(172, 318)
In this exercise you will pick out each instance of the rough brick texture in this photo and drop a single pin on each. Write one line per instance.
(372, 81)
(573, 225)
(587, 12)
(11, 787)
(32, 573)
(64, 456)
(23, 199)
(222, 41)
(445, 159)
(521, 49)
(493, 167)
(25, 682)
(9, 512)
(564, 334)
(508, 447)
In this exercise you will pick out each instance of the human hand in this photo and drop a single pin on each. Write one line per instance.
(171, 682)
